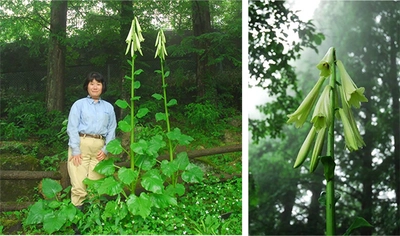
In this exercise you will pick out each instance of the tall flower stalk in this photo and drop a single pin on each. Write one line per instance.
(323, 120)
(133, 41)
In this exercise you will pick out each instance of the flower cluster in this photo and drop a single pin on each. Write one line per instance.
(160, 44)
(134, 38)
(323, 115)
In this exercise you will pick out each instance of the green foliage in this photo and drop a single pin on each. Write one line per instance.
(268, 42)
(202, 116)
(357, 223)
(29, 119)
(55, 213)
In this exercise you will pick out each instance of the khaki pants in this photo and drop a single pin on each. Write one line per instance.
(89, 149)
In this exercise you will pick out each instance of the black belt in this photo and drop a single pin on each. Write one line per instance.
(98, 136)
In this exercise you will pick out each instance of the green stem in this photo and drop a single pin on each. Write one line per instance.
(164, 86)
(171, 156)
(132, 154)
(330, 191)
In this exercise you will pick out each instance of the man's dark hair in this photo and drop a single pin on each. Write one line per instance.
(98, 77)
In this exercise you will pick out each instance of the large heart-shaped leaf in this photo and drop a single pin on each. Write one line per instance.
(163, 200)
(50, 188)
(105, 167)
(152, 181)
(168, 168)
(127, 176)
(110, 186)
(115, 147)
(192, 174)
(139, 205)
(53, 222)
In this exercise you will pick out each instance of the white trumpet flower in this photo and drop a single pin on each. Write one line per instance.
(322, 115)
(353, 95)
(302, 112)
(326, 64)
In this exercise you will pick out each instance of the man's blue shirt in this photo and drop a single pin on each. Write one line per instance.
(89, 117)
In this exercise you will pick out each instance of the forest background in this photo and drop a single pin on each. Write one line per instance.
(49, 47)
(283, 200)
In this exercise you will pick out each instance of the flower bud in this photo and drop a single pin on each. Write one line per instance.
(305, 147)
(134, 38)
(319, 143)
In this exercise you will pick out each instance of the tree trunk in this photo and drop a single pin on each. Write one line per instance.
(201, 20)
(394, 85)
(287, 201)
(56, 58)
(315, 223)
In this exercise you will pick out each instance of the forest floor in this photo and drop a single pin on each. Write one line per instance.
(16, 155)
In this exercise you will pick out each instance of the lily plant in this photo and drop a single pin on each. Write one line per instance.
(336, 100)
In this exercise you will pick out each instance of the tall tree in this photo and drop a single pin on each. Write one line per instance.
(201, 20)
(56, 59)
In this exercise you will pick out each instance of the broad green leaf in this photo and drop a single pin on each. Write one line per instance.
(127, 77)
(168, 168)
(166, 74)
(192, 174)
(136, 98)
(139, 147)
(127, 175)
(158, 71)
(136, 84)
(121, 104)
(163, 200)
(50, 188)
(114, 147)
(69, 211)
(138, 72)
(172, 102)
(36, 213)
(157, 96)
(127, 119)
(105, 167)
(182, 160)
(178, 189)
(129, 62)
(124, 126)
(95, 184)
(110, 187)
(53, 222)
(161, 116)
(139, 205)
(181, 138)
(142, 112)
(54, 204)
(145, 162)
(359, 222)
(155, 144)
(152, 181)
(110, 210)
